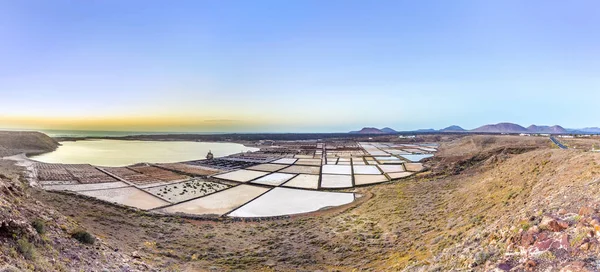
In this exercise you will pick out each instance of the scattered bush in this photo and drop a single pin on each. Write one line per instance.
(26, 249)
(39, 225)
(84, 237)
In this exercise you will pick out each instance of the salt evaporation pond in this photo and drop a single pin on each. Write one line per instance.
(122, 153)
(416, 157)
(284, 201)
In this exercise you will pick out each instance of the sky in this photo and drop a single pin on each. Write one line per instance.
(297, 66)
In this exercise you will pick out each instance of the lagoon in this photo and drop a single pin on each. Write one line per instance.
(122, 153)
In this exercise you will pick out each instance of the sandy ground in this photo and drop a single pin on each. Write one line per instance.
(23, 161)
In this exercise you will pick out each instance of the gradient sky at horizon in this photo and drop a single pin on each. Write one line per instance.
(297, 66)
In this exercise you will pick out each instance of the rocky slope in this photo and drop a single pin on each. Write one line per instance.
(34, 237)
(517, 198)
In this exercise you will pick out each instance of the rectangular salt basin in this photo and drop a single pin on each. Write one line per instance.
(417, 157)
(129, 196)
(358, 161)
(286, 201)
(399, 175)
(369, 179)
(387, 158)
(241, 175)
(414, 150)
(377, 153)
(414, 167)
(313, 162)
(86, 187)
(336, 181)
(285, 161)
(366, 170)
(300, 169)
(267, 167)
(274, 179)
(391, 168)
(337, 169)
(298, 156)
(332, 160)
(218, 203)
(397, 152)
(181, 191)
(304, 181)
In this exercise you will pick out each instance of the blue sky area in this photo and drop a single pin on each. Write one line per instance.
(297, 66)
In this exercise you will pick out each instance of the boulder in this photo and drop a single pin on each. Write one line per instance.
(586, 211)
(575, 267)
(553, 224)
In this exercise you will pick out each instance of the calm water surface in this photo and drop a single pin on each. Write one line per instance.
(121, 153)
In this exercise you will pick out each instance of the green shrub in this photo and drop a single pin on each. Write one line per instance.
(26, 249)
(84, 237)
(39, 225)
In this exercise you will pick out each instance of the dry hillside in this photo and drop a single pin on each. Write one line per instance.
(489, 203)
(12, 143)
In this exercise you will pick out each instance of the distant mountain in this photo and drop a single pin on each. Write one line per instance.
(588, 130)
(425, 130)
(368, 130)
(492, 128)
(547, 129)
(501, 128)
(453, 129)
(388, 130)
(514, 128)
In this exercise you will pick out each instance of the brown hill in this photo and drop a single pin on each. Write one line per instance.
(15, 142)
(35, 237)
